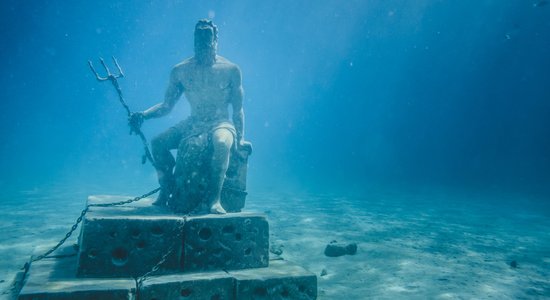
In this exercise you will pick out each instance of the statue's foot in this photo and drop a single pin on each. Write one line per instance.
(217, 209)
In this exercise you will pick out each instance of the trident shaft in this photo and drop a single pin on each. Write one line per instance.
(113, 79)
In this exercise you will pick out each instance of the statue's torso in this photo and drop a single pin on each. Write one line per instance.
(207, 88)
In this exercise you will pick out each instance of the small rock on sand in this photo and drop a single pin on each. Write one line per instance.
(276, 249)
(335, 249)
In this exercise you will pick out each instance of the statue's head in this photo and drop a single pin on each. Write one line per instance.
(206, 40)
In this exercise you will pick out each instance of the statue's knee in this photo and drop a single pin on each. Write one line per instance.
(222, 140)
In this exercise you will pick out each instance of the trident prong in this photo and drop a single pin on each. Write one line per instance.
(105, 66)
(121, 74)
(113, 78)
(109, 76)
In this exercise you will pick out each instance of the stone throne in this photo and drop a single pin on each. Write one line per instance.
(191, 175)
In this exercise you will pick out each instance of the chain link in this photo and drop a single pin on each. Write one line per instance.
(81, 217)
(155, 268)
(125, 201)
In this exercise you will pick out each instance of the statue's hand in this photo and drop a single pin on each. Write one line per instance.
(134, 121)
(246, 146)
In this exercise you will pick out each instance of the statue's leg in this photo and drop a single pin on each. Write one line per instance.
(222, 141)
(190, 179)
(164, 161)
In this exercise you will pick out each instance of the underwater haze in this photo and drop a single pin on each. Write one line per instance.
(339, 92)
(419, 130)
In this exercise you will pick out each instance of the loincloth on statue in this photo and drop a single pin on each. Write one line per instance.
(191, 127)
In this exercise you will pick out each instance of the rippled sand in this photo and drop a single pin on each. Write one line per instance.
(429, 244)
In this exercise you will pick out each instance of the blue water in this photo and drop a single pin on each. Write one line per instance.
(341, 97)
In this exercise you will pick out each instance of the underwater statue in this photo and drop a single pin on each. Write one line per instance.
(212, 154)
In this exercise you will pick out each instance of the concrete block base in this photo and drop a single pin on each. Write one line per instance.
(226, 242)
(54, 279)
(127, 241)
(206, 285)
(281, 280)
(215, 257)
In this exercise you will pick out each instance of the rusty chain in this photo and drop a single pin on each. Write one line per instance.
(155, 268)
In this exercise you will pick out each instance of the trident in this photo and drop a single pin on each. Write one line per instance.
(113, 79)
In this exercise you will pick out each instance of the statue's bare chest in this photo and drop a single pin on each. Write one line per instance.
(210, 80)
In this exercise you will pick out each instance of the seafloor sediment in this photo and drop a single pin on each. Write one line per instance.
(415, 244)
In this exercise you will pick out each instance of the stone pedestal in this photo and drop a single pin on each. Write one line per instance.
(205, 285)
(198, 257)
(54, 278)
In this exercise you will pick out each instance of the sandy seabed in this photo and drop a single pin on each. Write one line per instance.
(430, 244)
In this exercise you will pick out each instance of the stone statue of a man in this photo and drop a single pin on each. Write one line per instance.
(210, 83)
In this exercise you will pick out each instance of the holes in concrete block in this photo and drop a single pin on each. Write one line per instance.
(135, 233)
(216, 297)
(141, 244)
(119, 256)
(157, 230)
(205, 234)
(260, 291)
(186, 292)
(229, 229)
(247, 251)
(238, 237)
(92, 253)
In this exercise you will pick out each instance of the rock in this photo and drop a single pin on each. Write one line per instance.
(335, 249)
(514, 264)
(351, 248)
(276, 249)
(324, 272)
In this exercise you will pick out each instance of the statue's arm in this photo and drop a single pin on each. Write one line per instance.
(237, 102)
(172, 95)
